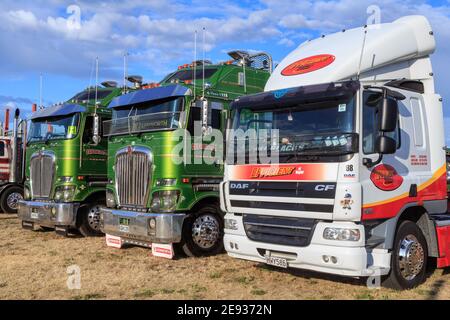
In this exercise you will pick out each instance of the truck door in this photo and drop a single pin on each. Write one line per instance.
(385, 186)
(94, 157)
(199, 149)
(4, 161)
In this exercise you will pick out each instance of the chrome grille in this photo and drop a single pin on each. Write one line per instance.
(42, 169)
(133, 176)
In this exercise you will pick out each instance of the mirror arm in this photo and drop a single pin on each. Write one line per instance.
(369, 163)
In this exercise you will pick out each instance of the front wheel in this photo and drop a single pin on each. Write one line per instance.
(203, 232)
(409, 258)
(9, 201)
(89, 220)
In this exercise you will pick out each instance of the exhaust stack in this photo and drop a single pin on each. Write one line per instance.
(6, 121)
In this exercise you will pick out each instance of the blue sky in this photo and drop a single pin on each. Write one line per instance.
(37, 37)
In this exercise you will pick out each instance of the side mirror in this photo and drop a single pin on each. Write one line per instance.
(203, 105)
(388, 115)
(386, 145)
(96, 138)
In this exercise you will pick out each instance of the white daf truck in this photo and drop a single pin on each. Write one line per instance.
(359, 186)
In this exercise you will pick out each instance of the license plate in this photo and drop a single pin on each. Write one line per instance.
(277, 262)
(34, 214)
(124, 225)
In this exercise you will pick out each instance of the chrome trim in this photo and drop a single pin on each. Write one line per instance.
(42, 154)
(65, 214)
(168, 229)
(133, 188)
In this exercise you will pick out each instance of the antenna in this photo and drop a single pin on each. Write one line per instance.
(125, 71)
(194, 75)
(40, 92)
(203, 64)
(362, 52)
(96, 84)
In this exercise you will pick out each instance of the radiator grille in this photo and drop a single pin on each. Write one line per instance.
(133, 176)
(42, 168)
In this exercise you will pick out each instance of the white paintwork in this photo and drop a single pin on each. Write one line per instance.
(392, 51)
(397, 50)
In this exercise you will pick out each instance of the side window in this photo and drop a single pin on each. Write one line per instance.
(88, 130)
(215, 116)
(2, 149)
(417, 121)
(194, 116)
(372, 101)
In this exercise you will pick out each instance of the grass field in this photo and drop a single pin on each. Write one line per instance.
(33, 265)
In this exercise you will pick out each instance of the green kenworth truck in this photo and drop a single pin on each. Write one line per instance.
(66, 164)
(153, 200)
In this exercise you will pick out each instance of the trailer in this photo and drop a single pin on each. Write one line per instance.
(152, 200)
(359, 185)
(12, 153)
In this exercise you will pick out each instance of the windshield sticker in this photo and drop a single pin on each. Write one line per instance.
(292, 172)
(342, 107)
(72, 130)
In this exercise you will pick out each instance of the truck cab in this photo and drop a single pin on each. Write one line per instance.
(12, 151)
(66, 164)
(152, 199)
(355, 184)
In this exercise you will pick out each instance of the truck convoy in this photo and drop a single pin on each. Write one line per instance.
(12, 151)
(359, 186)
(66, 164)
(152, 200)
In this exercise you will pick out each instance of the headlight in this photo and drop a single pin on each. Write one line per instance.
(166, 182)
(65, 193)
(26, 193)
(231, 224)
(165, 201)
(110, 199)
(341, 234)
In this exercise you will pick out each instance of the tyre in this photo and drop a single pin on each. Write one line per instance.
(9, 200)
(409, 258)
(47, 229)
(203, 232)
(89, 219)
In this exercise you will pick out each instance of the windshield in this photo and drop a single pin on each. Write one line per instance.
(90, 95)
(312, 129)
(189, 74)
(144, 117)
(55, 128)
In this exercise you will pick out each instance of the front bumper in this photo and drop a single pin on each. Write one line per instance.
(137, 230)
(349, 258)
(48, 214)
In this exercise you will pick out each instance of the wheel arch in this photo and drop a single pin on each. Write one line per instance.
(94, 196)
(207, 200)
(419, 214)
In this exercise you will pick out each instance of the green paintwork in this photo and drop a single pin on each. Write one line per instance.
(223, 87)
(77, 158)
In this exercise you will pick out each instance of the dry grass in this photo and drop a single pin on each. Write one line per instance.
(34, 264)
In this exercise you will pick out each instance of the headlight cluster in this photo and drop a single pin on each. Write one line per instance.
(231, 224)
(65, 193)
(165, 201)
(110, 199)
(341, 234)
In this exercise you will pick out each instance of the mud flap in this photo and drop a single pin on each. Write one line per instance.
(443, 234)
(113, 241)
(163, 250)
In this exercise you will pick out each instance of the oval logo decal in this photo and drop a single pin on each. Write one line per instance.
(309, 64)
(385, 178)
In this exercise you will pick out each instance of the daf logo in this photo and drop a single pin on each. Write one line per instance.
(323, 187)
(239, 186)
